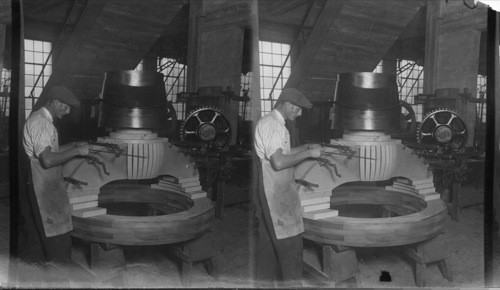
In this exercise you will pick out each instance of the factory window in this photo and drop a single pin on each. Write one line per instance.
(481, 94)
(410, 79)
(272, 57)
(175, 82)
(4, 92)
(36, 54)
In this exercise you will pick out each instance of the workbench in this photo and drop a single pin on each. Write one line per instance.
(466, 172)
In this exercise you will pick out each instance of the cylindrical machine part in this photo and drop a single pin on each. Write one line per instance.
(133, 99)
(366, 101)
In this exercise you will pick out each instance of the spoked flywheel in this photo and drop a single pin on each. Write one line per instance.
(207, 125)
(445, 128)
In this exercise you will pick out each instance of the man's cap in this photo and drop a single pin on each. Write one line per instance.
(295, 97)
(64, 95)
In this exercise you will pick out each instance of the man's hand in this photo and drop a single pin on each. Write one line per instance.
(316, 151)
(80, 143)
(84, 149)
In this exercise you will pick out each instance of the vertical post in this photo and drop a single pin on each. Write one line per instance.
(196, 10)
(17, 166)
(492, 157)
(432, 30)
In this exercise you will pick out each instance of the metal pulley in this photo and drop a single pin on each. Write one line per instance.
(366, 101)
(444, 128)
(209, 126)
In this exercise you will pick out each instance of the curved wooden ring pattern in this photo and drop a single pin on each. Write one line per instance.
(426, 221)
(195, 219)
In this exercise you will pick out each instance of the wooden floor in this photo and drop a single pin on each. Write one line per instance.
(149, 267)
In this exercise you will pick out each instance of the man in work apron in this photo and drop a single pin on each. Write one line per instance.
(46, 190)
(278, 249)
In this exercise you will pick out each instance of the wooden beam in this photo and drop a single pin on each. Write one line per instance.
(317, 35)
(5, 12)
(2, 45)
(75, 42)
(196, 10)
(432, 31)
(282, 6)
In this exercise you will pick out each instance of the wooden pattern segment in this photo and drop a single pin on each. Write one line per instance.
(423, 188)
(173, 163)
(426, 221)
(146, 230)
(349, 169)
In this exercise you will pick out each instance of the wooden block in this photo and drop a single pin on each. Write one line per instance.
(312, 201)
(197, 194)
(417, 186)
(179, 179)
(425, 190)
(391, 188)
(405, 188)
(168, 178)
(315, 207)
(84, 198)
(414, 182)
(84, 192)
(304, 196)
(188, 179)
(189, 184)
(89, 212)
(191, 189)
(83, 205)
(320, 214)
(430, 196)
(168, 183)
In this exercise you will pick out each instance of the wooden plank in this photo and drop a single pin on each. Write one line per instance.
(317, 35)
(89, 212)
(312, 201)
(83, 199)
(315, 207)
(320, 214)
(83, 205)
(415, 181)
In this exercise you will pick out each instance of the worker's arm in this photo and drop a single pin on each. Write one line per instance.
(303, 147)
(50, 159)
(71, 145)
(280, 161)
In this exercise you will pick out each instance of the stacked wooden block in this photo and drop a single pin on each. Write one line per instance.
(316, 205)
(84, 203)
(422, 187)
(189, 186)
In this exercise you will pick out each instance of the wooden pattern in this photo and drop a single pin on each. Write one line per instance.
(377, 154)
(195, 218)
(426, 220)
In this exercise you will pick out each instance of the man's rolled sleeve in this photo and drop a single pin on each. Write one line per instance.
(42, 137)
(273, 138)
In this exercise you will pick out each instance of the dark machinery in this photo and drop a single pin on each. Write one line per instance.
(443, 128)
(213, 134)
(208, 126)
